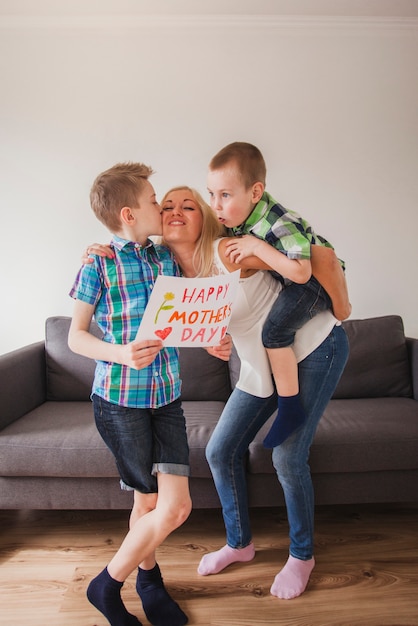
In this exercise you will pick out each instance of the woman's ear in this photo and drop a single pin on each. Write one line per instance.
(257, 192)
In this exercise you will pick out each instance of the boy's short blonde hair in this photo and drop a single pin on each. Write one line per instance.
(248, 159)
(117, 187)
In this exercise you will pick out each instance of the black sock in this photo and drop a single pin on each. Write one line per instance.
(290, 416)
(104, 593)
(159, 607)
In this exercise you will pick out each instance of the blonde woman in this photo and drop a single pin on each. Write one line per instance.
(197, 239)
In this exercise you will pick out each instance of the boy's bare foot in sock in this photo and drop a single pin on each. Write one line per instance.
(292, 580)
(104, 593)
(158, 605)
(215, 562)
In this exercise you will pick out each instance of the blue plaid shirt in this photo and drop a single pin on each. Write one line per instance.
(119, 289)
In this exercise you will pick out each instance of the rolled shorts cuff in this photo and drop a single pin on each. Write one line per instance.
(125, 487)
(171, 468)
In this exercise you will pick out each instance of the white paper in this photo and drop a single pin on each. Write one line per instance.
(192, 312)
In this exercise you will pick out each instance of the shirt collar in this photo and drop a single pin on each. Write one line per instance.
(120, 244)
(258, 212)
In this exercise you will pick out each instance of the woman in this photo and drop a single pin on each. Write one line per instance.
(192, 232)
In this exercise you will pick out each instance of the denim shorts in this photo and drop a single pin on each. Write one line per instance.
(295, 305)
(144, 442)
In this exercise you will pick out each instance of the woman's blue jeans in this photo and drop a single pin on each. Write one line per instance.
(239, 423)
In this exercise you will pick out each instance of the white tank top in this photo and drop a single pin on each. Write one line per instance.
(254, 300)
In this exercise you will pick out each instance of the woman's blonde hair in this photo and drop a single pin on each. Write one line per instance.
(211, 230)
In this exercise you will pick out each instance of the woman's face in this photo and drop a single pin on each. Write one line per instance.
(181, 218)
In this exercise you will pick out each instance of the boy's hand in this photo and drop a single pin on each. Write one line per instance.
(223, 349)
(239, 248)
(139, 354)
(99, 249)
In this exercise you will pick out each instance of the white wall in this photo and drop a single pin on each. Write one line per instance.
(332, 103)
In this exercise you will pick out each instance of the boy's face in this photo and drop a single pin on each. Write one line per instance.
(229, 198)
(149, 212)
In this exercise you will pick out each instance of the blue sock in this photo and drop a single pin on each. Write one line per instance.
(104, 593)
(159, 607)
(289, 417)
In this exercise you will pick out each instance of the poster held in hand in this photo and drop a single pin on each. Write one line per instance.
(192, 312)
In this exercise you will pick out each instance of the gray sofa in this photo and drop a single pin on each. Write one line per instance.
(365, 449)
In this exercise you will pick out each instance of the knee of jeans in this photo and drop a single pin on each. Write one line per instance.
(217, 455)
(286, 463)
(210, 454)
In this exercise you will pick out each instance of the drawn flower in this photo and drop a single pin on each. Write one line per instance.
(167, 297)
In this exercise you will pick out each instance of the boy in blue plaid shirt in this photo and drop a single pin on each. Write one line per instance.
(283, 240)
(136, 390)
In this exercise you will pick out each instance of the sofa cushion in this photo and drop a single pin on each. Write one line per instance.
(61, 439)
(201, 419)
(204, 377)
(69, 376)
(373, 434)
(56, 439)
(378, 364)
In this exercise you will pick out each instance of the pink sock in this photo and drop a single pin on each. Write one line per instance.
(291, 581)
(215, 562)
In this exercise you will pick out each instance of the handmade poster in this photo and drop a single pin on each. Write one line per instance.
(192, 312)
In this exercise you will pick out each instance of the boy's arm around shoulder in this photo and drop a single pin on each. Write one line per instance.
(136, 354)
(328, 271)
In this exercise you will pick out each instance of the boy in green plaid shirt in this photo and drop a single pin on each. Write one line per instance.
(283, 240)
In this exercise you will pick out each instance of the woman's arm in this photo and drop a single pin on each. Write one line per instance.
(328, 271)
(97, 248)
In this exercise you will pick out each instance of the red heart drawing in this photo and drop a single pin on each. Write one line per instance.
(162, 334)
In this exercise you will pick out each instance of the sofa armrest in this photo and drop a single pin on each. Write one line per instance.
(412, 345)
(22, 382)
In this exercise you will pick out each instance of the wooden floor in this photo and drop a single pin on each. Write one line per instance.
(366, 572)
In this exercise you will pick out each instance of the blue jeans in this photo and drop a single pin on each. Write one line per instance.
(240, 421)
(295, 306)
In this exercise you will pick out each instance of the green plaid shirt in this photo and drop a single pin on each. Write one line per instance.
(285, 230)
